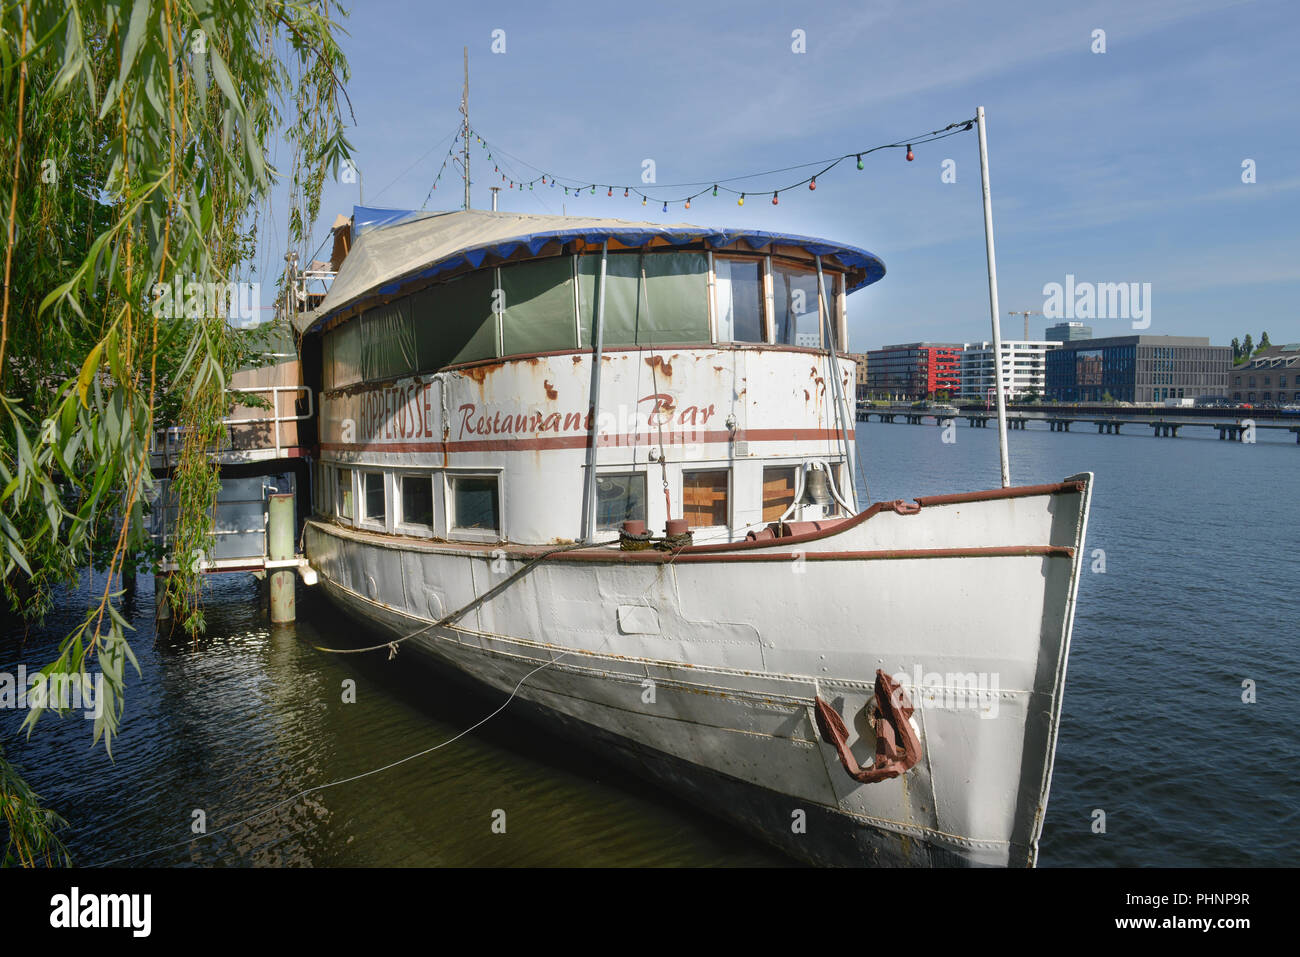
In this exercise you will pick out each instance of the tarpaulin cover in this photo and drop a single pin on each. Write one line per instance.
(396, 247)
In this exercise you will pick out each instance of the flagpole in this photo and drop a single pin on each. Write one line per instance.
(993, 301)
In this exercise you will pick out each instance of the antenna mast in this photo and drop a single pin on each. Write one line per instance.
(464, 108)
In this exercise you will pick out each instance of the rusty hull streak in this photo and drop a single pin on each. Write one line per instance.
(657, 363)
(550, 389)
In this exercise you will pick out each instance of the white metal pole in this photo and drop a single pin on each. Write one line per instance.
(993, 301)
(842, 418)
(593, 404)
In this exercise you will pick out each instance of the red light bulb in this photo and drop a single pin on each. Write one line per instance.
(910, 155)
(813, 183)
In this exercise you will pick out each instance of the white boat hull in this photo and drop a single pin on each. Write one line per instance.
(700, 668)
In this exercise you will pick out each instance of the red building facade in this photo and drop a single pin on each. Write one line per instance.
(914, 370)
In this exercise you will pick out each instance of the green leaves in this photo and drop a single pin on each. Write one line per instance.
(88, 370)
(131, 174)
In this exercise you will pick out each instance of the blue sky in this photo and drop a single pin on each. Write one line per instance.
(1123, 166)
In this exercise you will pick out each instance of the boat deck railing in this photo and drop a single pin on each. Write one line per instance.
(248, 439)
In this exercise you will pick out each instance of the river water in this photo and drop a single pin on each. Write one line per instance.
(1198, 595)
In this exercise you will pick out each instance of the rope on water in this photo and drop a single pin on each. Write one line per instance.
(348, 780)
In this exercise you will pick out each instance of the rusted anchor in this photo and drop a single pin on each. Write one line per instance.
(890, 716)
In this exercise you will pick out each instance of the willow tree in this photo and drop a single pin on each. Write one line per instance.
(136, 137)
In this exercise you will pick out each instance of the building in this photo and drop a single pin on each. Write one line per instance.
(1024, 369)
(914, 370)
(1137, 369)
(1271, 375)
(1067, 332)
(860, 390)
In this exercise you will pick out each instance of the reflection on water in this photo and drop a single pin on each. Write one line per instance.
(1197, 596)
(251, 715)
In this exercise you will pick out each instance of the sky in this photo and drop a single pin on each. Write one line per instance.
(1122, 166)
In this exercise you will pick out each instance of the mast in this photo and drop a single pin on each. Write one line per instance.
(464, 108)
(993, 301)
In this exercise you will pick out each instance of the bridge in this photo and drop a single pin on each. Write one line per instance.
(1231, 424)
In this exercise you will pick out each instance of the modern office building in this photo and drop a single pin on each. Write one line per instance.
(1067, 332)
(1137, 369)
(1024, 369)
(1272, 375)
(914, 370)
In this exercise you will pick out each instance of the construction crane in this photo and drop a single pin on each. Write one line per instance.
(1026, 313)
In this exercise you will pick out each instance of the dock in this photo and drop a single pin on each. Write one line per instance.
(265, 472)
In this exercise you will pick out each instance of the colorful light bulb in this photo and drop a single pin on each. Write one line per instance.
(910, 155)
(775, 201)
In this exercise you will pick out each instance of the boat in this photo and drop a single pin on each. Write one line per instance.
(605, 470)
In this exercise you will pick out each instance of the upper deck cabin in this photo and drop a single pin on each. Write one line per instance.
(454, 358)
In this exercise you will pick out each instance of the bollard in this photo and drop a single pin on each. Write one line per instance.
(279, 547)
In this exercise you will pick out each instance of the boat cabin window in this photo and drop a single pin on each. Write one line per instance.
(739, 299)
(536, 306)
(619, 498)
(650, 299)
(549, 305)
(415, 495)
(795, 301)
(372, 497)
(704, 497)
(778, 491)
(343, 497)
(475, 503)
(342, 355)
(456, 321)
(388, 341)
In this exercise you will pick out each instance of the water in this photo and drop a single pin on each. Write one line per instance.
(1197, 595)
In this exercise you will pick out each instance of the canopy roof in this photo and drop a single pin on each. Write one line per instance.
(395, 248)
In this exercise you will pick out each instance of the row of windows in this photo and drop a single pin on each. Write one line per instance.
(364, 497)
(1281, 380)
(549, 305)
(1267, 396)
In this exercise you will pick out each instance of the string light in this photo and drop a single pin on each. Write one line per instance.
(825, 167)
